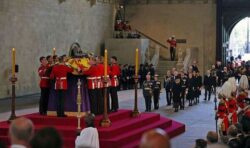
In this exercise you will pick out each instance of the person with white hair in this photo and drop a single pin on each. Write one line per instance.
(89, 136)
(243, 83)
(232, 81)
(243, 94)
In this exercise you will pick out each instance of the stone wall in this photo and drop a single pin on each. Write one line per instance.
(124, 49)
(195, 22)
(34, 27)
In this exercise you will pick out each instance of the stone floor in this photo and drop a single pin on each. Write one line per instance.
(198, 119)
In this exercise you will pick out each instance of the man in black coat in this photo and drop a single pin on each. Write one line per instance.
(124, 76)
(168, 87)
(208, 83)
(176, 89)
(183, 90)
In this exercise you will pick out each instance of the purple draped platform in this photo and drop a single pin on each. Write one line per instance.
(71, 95)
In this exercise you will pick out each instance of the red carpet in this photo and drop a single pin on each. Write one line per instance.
(125, 131)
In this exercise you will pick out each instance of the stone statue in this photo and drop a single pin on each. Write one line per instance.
(180, 55)
(180, 60)
(187, 59)
(155, 58)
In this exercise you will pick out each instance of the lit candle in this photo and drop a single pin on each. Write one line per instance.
(136, 61)
(105, 63)
(54, 51)
(13, 62)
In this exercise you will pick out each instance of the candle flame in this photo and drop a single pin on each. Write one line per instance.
(13, 49)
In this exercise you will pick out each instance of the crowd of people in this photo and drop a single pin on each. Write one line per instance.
(127, 78)
(232, 116)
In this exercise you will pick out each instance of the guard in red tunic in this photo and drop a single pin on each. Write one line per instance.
(59, 73)
(115, 72)
(92, 86)
(232, 109)
(172, 43)
(222, 115)
(44, 85)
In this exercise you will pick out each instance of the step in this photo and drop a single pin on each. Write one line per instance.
(121, 114)
(5, 140)
(166, 62)
(128, 124)
(68, 142)
(176, 129)
(72, 121)
(133, 144)
(135, 134)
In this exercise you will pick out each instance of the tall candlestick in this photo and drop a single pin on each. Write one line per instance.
(135, 112)
(136, 61)
(105, 63)
(54, 51)
(13, 62)
(105, 122)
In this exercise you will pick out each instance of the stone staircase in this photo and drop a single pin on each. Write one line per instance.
(163, 66)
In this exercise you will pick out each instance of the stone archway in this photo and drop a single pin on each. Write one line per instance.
(229, 13)
(239, 39)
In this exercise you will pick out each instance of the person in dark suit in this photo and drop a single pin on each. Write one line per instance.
(176, 89)
(183, 90)
(199, 81)
(141, 79)
(225, 75)
(208, 83)
(168, 87)
(215, 78)
(195, 67)
(196, 87)
(219, 74)
(190, 88)
(124, 75)
(152, 70)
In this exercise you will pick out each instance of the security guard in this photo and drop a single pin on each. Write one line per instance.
(114, 74)
(44, 85)
(156, 91)
(147, 92)
(59, 73)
